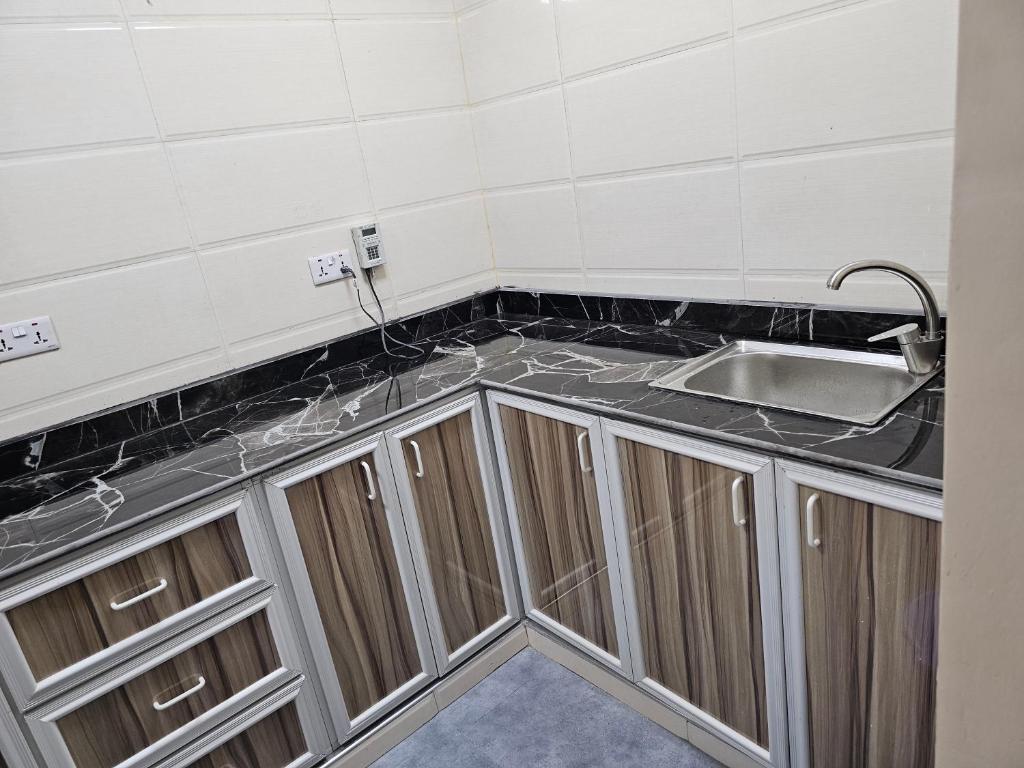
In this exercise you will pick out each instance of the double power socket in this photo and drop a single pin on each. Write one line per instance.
(27, 337)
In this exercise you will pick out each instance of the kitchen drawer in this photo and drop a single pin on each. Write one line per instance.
(150, 707)
(68, 624)
(276, 741)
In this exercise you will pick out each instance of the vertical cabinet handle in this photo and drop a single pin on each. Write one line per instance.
(813, 540)
(160, 587)
(160, 706)
(583, 451)
(370, 486)
(739, 507)
(419, 457)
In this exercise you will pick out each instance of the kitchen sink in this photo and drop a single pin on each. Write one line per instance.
(857, 387)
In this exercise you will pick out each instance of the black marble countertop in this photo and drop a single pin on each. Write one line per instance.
(597, 365)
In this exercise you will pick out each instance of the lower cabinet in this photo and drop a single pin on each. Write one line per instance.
(396, 581)
(697, 540)
(861, 577)
(556, 494)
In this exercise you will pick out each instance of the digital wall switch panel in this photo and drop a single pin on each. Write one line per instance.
(27, 337)
(331, 266)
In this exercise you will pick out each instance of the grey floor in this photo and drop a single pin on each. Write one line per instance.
(533, 712)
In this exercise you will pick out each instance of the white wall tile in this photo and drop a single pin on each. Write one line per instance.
(881, 291)
(49, 9)
(818, 212)
(435, 245)
(756, 11)
(522, 140)
(264, 288)
(400, 66)
(63, 86)
(420, 158)
(111, 324)
(597, 33)
(534, 229)
(361, 7)
(673, 222)
(244, 185)
(291, 8)
(508, 46)
(210, 77)
(674, 284)
(71, 212)
(870, 71)
(677, 109)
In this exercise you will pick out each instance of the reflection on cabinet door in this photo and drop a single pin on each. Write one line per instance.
(557, 496)
(696, 531)
(861, 563)
(442, 465)
(348, 558)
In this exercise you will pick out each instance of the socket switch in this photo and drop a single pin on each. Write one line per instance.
(27, 337)
(331, 266)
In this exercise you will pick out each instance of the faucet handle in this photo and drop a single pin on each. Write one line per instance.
(904, 334)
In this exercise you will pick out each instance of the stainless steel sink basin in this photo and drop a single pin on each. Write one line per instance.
(858, 387)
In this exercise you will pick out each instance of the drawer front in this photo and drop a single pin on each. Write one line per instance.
(276, 741)
(126, 720)
(93, 613)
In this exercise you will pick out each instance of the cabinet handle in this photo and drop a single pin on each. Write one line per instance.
(160, 587)
(739, 517)
(582, 451)
(812, 538)
(371, 488)
(161, 706)
(419, 457)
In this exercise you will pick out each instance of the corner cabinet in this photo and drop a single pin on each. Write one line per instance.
(556, 493)
(860, 576)
(696, 532)
(452, 514)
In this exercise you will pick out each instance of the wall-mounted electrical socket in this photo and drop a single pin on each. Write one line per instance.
(331, 266)
(27, 337)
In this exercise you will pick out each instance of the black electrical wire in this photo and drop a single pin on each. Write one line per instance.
(384, 335)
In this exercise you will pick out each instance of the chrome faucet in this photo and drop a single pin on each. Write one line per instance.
(920, 350)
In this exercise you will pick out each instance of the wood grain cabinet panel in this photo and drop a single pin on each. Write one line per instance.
(452, 513)
(695, 575)
(77, 621)
(276, 741)
(123, 722)
(353, 569)
(870, 607)
(558, 510)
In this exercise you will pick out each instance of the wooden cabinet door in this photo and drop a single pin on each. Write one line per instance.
(556, 491)
(448, 496)
(867, 575)
(347, 555)
(698, 555)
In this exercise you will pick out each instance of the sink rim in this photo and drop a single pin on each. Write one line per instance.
(676, 379)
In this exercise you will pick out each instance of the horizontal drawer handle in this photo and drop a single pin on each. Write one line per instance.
(160, 587)
(161, 706)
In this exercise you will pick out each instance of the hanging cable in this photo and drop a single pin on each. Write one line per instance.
(384, 335)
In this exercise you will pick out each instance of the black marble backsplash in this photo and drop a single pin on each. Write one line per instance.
(798, 323)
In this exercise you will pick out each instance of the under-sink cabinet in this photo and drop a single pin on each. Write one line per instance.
(395, 583)
(696, 534)
(860, 567)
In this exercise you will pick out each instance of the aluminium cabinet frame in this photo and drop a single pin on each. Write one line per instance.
(394, 438)
(28, 693)
(274, 487)
(763, 506)
(789, 476)
(592, 425)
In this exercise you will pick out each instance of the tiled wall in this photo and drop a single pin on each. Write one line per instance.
(714, 148)
(167, 166)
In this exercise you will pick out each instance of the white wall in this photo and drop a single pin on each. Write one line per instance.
(714, 148)
(167, 166)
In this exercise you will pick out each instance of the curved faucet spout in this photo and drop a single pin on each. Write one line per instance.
(923, 290)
